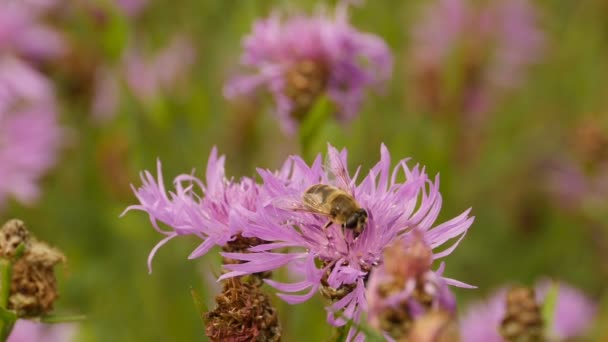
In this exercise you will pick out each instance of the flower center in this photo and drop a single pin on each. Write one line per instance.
(304, 83)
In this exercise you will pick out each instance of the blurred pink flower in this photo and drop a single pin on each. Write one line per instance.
(23, 33)
(147, 77)
(29, 133)
(574, 314)
(28, 331)
(496, 43)
(572, 187)
(132, 7)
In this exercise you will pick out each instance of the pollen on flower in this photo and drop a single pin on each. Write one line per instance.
(243, 313)
(33, 283)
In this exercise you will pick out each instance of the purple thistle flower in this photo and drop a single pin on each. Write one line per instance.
(395, 210)
(299, 58)
(29, 133)
(204, 209)
(574, 314)
(28, 331)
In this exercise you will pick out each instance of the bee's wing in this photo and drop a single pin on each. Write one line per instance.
(306, 203)
(338, 172)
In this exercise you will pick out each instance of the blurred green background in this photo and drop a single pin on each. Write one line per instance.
(520, 233)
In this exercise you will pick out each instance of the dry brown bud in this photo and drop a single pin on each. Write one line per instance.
(12, 234)
(523, 321)
(33, 283)
(243, 313)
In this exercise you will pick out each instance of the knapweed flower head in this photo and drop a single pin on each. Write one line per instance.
(33, 288)
(495, 42)
(30, 136)
(243, 313)
(574, 314)
(404, 288)
(206, 209)
(334, 260)
(300, 58)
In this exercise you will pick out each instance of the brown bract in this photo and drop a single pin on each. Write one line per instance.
(243, 313)
(33, 282)
(523, 321)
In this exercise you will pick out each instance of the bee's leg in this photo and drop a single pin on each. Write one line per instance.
(329, 223)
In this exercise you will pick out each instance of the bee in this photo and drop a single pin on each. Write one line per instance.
(337, 205)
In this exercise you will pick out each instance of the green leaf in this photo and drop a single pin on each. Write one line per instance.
(53, 319)
(19, 252)
(548, 309)
(201, 308)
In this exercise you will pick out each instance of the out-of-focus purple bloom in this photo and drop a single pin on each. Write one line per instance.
(334, 260)
(23, 33)
(299, 58)
(204, 209)
(146, 77)
(28, 331)
(496, 41)
(29, 132)
(578, 180)
(106, 95)
(131, 7)
(574, 314)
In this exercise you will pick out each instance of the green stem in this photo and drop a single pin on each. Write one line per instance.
(7, 318)
(312, 124)
(6, 270)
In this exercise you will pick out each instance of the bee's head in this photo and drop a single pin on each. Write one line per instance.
(358, 219)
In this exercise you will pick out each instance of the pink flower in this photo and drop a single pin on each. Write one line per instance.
(574, 314)
(28, 331)
(299, 58)
(29, 133)
(334, 259)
